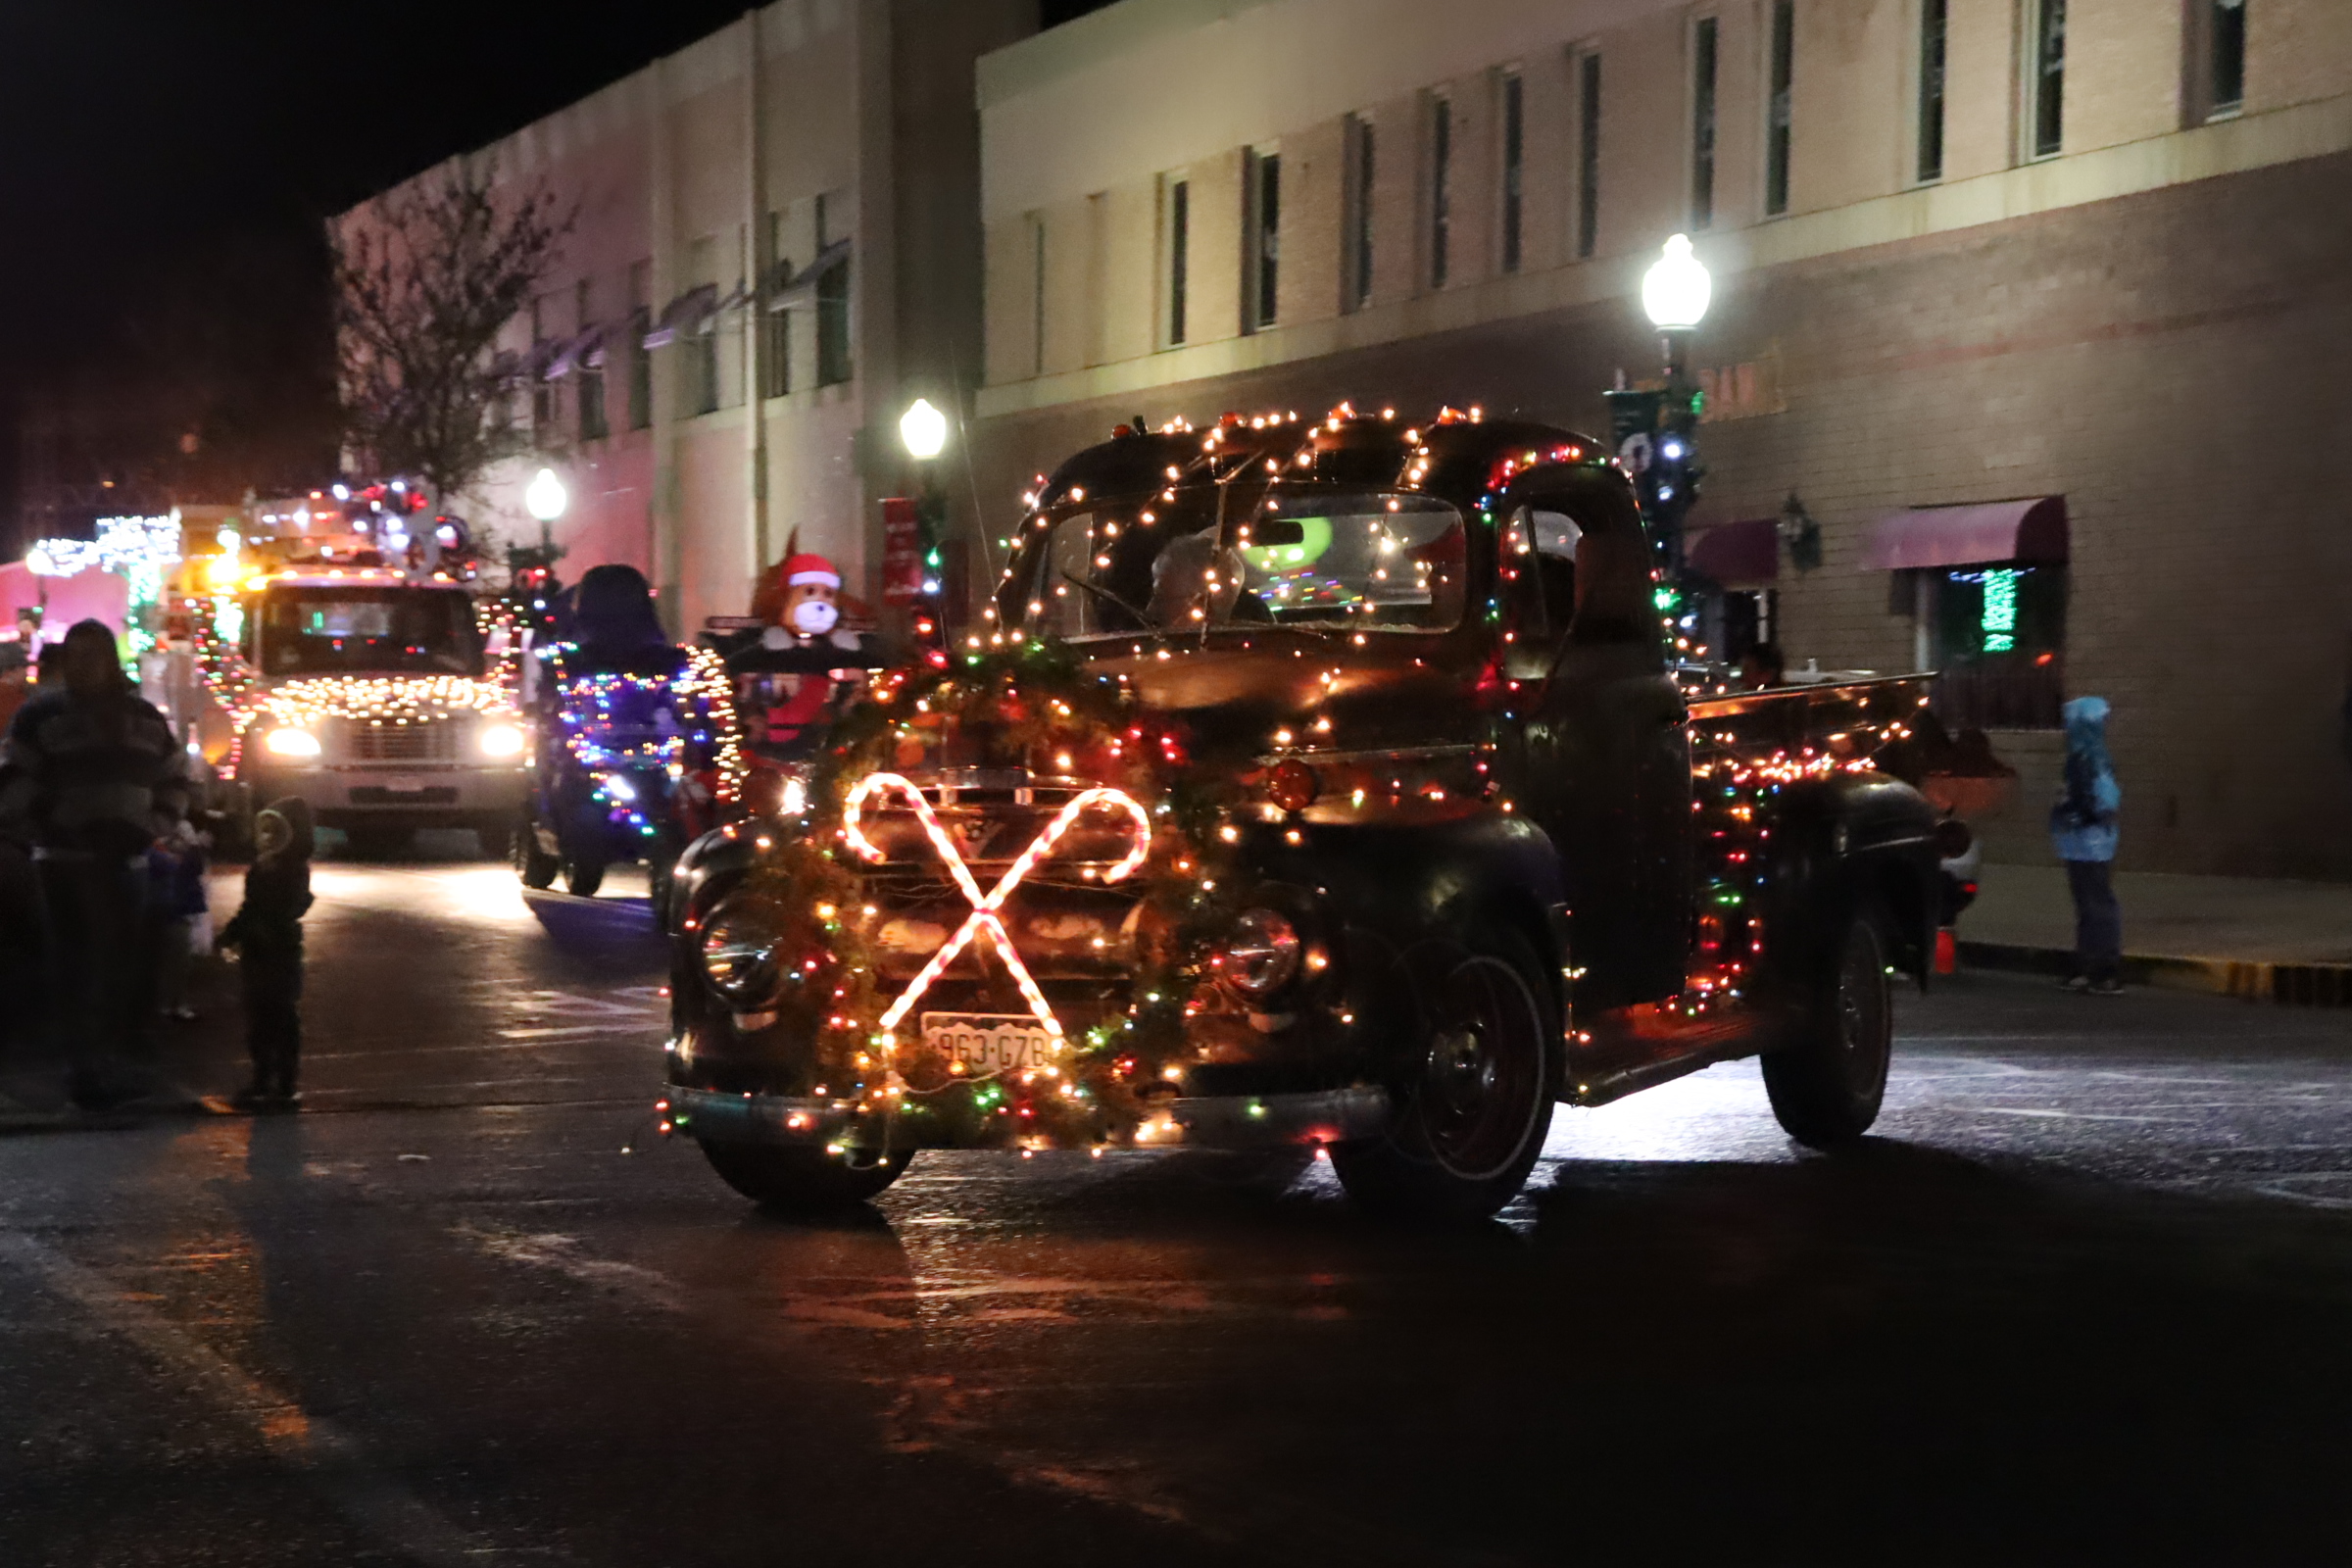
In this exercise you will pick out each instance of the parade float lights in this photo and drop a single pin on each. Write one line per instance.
(139, 550)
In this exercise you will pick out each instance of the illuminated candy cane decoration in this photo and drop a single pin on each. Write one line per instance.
(983, 917)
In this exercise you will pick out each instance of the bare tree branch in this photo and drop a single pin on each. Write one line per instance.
(422, 293)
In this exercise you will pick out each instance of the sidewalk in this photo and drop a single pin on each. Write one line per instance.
(2267, 940)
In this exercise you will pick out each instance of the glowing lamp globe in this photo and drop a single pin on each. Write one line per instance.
(1675, 290)
(545, 497)
(924, 429)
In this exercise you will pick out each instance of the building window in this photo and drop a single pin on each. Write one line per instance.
(1262, 291)
(1359, 211)
(641, 362)
(1441, 189)
(591, 371)
(1999, 635)
(1180, 245)
(543, 391)
(2224, 58)
(1703, 123)
(1775, 127)
(698, 346)
(775, 327)
(1514, 156)
(833, 359)
(1587, 155)
(1934, 29)
(2048, 81)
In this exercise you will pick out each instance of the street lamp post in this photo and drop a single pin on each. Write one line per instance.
(923, 431)
(1657, 431)
(545, 498)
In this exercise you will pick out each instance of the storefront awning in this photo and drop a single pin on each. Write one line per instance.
(1738, 554)
(797, 291)
(2032, 530)
(580, 353)
(684, 314)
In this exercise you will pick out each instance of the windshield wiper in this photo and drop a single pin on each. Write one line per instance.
(1142, 620)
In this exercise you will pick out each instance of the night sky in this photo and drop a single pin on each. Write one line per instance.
(165, 168)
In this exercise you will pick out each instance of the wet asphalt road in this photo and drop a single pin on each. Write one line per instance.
(2085, 1298)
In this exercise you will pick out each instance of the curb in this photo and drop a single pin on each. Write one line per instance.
(2297, 985)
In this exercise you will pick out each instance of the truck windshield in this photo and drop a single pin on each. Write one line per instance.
(1344, 560)
(368, 630)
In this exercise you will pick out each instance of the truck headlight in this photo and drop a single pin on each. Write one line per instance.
(1261, 956)
(501, 740)
(739, 954)
(290, 742)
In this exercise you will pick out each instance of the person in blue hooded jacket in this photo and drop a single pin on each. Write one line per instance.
(2083, 831)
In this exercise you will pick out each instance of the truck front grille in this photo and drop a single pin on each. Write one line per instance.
(434, 741)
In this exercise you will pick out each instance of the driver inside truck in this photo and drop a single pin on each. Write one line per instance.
(1194, 583)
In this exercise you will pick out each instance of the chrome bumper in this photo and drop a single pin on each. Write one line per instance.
(1225, 1121)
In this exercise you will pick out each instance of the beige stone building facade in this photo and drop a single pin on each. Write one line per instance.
(776, 248)
(2030, 306)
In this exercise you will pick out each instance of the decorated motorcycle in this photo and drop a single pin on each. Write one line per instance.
(637, 752)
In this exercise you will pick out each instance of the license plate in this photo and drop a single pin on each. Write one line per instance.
(401, 786)
(985, 1046)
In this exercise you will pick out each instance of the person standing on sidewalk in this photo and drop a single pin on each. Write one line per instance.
(97, 777)
(2083, 831)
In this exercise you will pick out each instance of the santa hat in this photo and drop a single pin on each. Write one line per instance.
(800, 570)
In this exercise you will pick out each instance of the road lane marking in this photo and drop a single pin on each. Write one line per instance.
(313, 1444)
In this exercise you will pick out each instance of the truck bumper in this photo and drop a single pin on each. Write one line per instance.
(422, 796)
(1237, 1121)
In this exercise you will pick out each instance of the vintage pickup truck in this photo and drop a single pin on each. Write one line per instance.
(1316, 783)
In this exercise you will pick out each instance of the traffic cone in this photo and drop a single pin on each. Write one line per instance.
(1947, 951)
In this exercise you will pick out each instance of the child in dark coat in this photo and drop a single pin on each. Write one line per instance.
(268, 934)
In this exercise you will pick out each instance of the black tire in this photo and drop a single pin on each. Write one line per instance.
(1482, 1072)
(802, 1181)
(1828, 1080)
(534, 864)
(583, 874)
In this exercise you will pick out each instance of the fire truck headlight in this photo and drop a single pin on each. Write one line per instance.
(795, 800)
(291, 742)
(501, 740)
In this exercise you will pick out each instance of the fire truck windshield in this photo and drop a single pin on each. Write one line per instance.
(368, 630)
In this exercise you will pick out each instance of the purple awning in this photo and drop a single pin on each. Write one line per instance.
(2030, 530)
(1736, 553)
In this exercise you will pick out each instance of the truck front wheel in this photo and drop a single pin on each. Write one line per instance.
(1827, 1081)
(802, 1181)
(1475, 1099)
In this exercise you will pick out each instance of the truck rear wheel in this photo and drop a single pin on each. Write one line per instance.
(802, 1181)
(1475, 1101)
(532, 861)
(583, 874)
(1828, 1080)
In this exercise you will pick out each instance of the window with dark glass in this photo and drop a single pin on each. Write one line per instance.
(1359, 211)
(833, 363)
(2049, 77)
(1440, 190)
(2226, 57)
(1265, 239)
(1514, 152)
(1776, 129)
(1180, 240)
(1587, 155)
(2000, 639)
(590, 370)
(1703, 123)
(1935, 30)
(775, 327)
(641, 362)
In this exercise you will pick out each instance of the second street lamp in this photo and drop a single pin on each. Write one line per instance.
(1656, 429)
